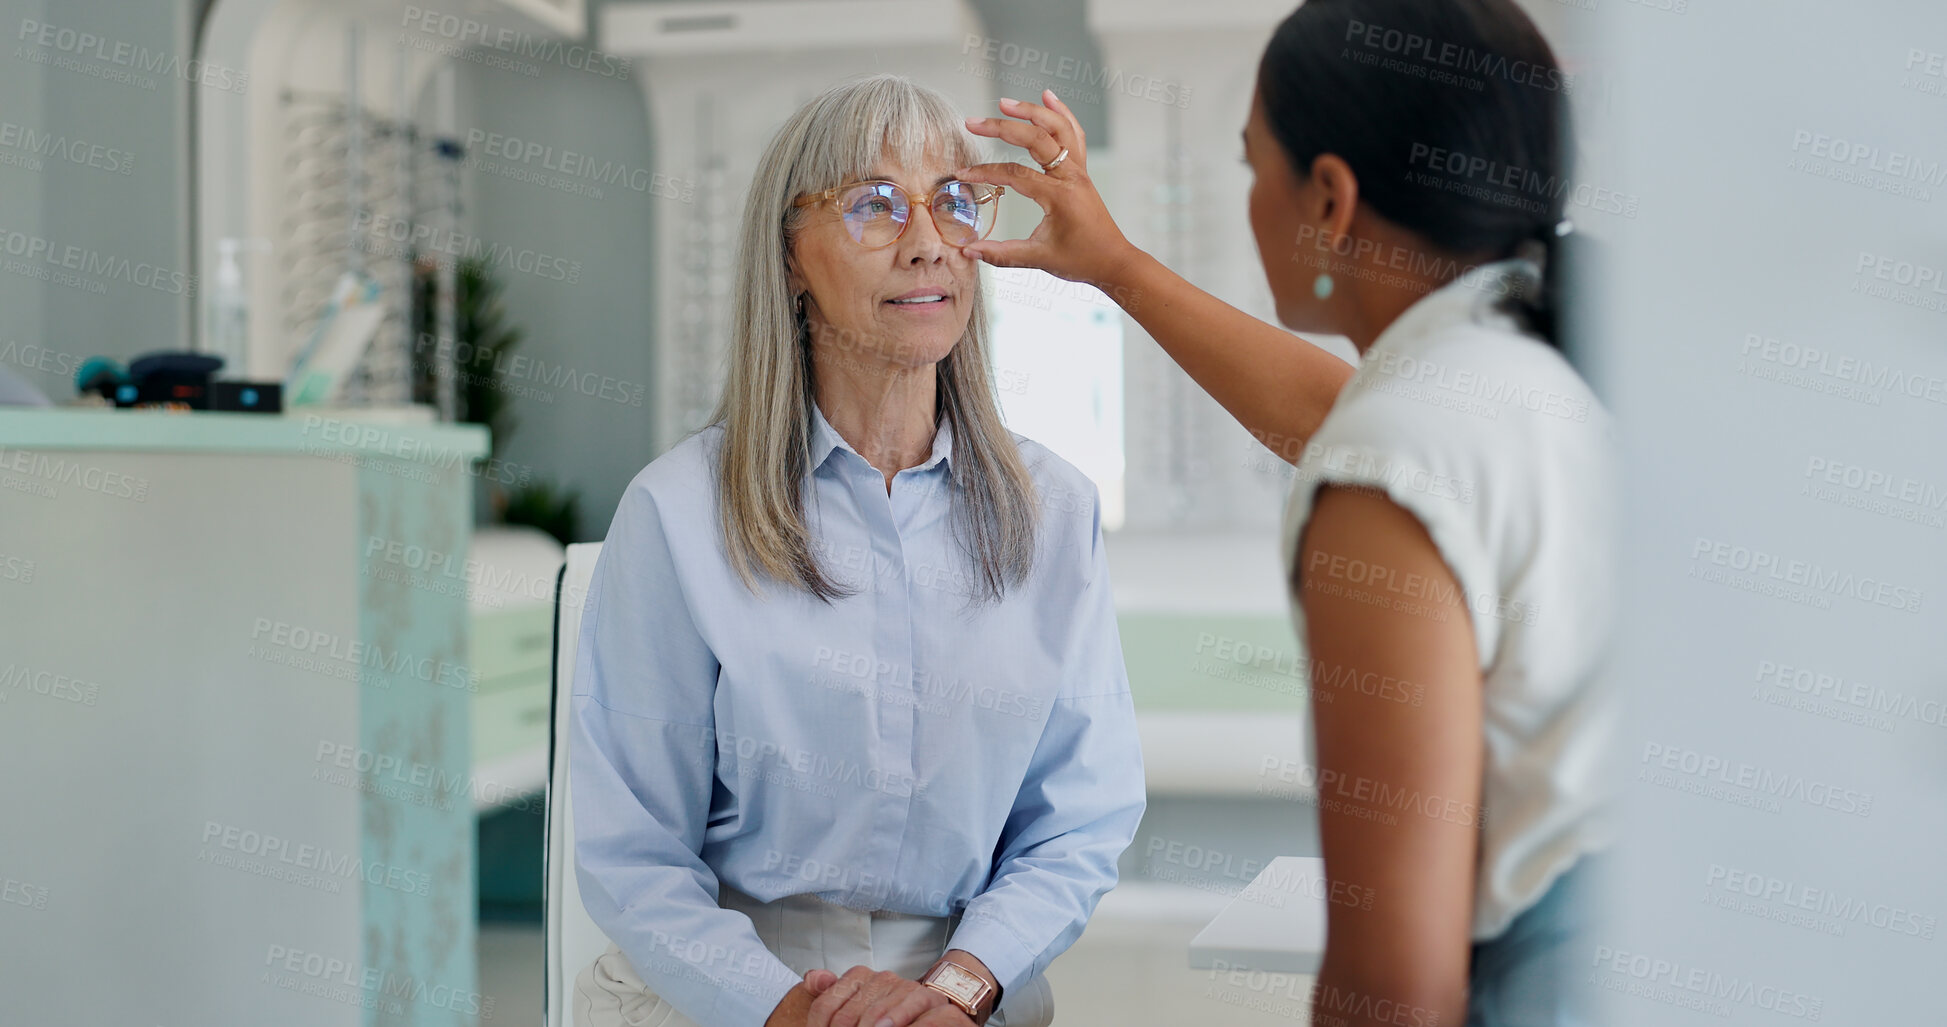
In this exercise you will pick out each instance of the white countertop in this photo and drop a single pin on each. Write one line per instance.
(1276, 924)
(327, 432)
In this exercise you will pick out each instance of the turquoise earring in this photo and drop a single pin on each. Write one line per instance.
(1322, 286)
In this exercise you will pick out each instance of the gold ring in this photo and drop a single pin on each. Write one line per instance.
(1053, 164)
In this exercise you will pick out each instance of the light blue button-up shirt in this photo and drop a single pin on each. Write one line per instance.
(899, 749)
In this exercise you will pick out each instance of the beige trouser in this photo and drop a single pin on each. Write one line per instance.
(806, 933)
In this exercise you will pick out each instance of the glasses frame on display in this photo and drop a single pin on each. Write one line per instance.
(993, 195)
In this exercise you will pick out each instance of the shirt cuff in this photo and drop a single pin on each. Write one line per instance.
(751, 1006)
(1007, 957)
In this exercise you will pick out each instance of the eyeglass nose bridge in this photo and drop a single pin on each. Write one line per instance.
(831, 195)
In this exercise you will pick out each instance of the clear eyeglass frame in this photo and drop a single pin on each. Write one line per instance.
(984, 194)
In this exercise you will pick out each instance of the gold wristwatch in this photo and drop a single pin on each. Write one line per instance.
(962, 987)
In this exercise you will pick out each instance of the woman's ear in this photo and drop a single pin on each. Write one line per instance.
(1334, 195)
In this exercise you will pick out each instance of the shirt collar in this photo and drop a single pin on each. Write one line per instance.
(1473, 297)
(825, 439)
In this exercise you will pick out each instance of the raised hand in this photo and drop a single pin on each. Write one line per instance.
(1077, 239)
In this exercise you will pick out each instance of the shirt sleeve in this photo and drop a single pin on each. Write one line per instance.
(642, 756)
(1078, 807)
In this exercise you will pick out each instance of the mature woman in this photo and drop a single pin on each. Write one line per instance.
(1449, 523)
(850, 697)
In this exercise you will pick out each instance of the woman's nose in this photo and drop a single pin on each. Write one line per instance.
(921, 242)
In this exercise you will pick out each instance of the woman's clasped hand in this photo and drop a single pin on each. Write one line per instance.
(865, 997)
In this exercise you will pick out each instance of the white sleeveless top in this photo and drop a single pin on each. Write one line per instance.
(1497, 446)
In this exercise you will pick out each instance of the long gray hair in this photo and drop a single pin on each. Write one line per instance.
(767, 395)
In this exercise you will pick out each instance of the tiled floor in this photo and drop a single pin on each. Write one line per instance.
(510, 974)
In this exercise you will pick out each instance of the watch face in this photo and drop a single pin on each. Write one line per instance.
(959, 983)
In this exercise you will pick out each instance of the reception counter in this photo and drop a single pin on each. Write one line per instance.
(234, 716)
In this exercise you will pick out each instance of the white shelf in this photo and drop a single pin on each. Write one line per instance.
(1276, 925)
(1236, 754)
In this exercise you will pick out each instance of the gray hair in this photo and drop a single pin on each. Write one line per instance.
(767, 396)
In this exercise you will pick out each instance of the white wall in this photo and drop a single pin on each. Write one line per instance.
(1741, 235)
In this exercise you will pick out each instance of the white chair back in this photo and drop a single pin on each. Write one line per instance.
(573, 940)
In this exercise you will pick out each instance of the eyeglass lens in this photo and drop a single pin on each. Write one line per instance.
(875, 212)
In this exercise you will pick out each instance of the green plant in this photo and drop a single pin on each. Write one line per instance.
(482, 339)
(542, 505)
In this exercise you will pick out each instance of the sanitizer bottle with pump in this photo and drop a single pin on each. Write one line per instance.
(230, 307)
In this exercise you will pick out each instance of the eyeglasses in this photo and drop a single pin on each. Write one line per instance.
(876, 212)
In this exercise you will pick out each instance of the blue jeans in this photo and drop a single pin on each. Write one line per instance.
(1532, 975)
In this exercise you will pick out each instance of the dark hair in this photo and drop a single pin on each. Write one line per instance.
(1452, 113)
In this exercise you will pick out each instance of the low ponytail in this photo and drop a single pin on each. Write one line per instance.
(1539, 306)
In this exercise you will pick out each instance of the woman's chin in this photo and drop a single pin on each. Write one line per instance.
(925, 343)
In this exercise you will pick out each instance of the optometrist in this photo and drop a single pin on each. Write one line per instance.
(1449, 524)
